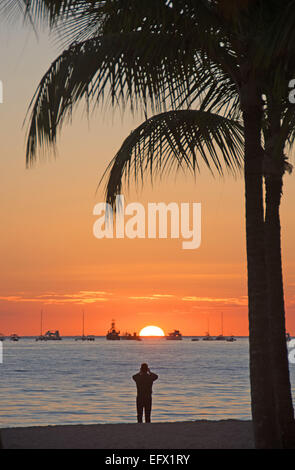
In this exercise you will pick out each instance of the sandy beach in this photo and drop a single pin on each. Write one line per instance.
(225, 434)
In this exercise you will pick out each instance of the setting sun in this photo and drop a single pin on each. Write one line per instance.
(151, 331)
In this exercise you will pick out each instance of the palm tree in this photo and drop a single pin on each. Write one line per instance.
(186, 53)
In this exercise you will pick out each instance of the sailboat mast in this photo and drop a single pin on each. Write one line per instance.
(41, 323)
(222, 323)
(83, 325)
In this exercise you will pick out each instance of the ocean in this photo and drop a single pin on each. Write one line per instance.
(74, 382)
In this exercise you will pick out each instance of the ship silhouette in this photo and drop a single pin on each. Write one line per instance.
(112, 334)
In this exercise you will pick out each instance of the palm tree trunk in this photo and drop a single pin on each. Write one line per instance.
(280, 366)
(262, 398)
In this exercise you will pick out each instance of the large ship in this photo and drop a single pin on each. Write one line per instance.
(112, 334)
(129, 336)
(175, 335)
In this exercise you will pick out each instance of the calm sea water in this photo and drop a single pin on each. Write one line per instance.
(69, 382)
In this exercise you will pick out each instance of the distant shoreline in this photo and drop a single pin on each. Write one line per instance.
(203, 434)
(103, 336)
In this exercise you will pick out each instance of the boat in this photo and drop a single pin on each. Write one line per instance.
(129, 336)
(2, 337)
(175, 335)
(83, 337)
(52, 336)
(231, 339)
(41, 337)
(221, 337)
(14, 337)
(90, 338)
(112, 334)
(195, 339)
(49, 335)
(207, 337)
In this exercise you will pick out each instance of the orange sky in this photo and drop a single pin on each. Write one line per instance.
(50, 259)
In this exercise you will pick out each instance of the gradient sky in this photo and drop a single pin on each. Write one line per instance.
(50, 259)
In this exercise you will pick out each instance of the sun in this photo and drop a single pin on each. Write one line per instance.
(151, 331)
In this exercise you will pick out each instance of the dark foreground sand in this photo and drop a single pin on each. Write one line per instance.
(226, 434)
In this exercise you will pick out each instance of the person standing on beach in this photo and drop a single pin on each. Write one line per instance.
(144, 383)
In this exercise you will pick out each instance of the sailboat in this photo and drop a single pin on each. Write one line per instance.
(83, 337)
(41, 337)
(221, 337)
(207, 337)
(49, 335)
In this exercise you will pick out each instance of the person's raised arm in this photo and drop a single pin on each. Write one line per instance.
(153, 376)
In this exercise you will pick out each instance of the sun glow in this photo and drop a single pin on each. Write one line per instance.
(151, 331)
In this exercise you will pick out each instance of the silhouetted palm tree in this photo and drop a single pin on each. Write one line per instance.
(204, 53)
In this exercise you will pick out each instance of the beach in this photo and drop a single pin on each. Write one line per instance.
(203, 434)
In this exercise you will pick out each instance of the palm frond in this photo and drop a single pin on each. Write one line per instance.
(176, 139)
(50, 11)
(214, 90)
(136, 68)
(78, 20)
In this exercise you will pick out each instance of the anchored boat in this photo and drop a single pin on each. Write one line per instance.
(52, 336)
(207, 337)
(83, 337)
(41, 337)
(14, 337)
(175, 335)
(112, 334)
(221, 337)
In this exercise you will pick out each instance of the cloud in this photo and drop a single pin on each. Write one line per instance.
(142, 298)
(163, 296)
(80, 297)
(226, 300)
(152, 297)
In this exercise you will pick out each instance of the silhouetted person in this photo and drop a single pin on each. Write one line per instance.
(144, 382)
